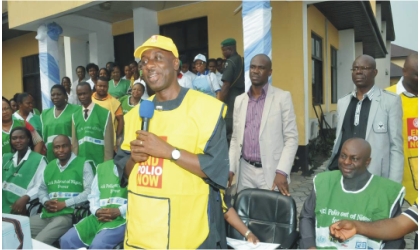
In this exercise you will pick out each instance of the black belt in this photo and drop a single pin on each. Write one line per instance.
(256, 164)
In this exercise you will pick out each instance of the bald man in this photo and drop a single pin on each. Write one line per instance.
(407, 88)
(265, 137)
(349, 193)
(372, 114)
(65, 183)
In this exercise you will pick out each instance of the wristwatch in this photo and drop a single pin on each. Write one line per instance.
(176, 154)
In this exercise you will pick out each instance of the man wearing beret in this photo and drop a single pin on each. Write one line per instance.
(233, 81)
(176, 168)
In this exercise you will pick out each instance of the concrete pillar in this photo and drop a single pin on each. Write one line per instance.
(47, 36)
(76, 53)
(145, 25)
(345, 57)
(101, 45)
(359, 49)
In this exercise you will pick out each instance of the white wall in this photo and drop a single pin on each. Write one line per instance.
(359, 49)
(142, 32)
(382, 79)
(61, 57)
(99, 35)
(77, 53)
(345, 57)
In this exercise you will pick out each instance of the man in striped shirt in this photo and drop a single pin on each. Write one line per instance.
(265, 137)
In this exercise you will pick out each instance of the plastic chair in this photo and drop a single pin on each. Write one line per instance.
(270, 215)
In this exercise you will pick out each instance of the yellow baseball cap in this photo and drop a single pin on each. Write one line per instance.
(157, 41)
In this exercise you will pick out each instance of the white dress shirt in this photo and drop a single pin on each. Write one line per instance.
(92, 84)
(87, 180)
(189, 74)
(34, 184)
(94, 197)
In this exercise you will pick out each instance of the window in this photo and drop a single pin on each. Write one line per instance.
(317, 86)
(31, 78)
(333, 75)
(124, 49)
(190, 37)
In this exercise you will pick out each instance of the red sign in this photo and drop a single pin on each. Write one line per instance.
(412, 132)
(150, 172)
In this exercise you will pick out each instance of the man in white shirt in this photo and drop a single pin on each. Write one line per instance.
(105, 227)
(212, 65)
(65, 183)
(183, 79)
(185, 70)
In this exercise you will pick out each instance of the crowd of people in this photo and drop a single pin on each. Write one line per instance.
(165, 187)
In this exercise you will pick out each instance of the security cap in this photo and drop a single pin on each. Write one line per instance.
(157, 41)
(229, 42)
(200, 57)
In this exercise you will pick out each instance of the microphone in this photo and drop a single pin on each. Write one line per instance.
(147, 108)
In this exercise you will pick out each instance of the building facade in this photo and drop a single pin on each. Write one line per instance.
(314, 43)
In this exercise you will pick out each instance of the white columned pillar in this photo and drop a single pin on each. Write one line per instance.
(145, 25)
(345, 57)
(256, 23)
(47, 36)
(75, 50)
(101, 45)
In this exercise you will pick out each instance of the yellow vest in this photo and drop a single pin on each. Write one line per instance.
(410, 143)
(111, 104)
(168, 205)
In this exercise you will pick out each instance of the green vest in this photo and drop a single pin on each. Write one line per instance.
(63, 185)
(119, 90)
(90, 134)
(16, 179)
(125, 104)
(6, 148)
(53, 126)
(111, 196)
(375, 201)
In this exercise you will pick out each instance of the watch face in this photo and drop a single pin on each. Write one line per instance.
(176, 154)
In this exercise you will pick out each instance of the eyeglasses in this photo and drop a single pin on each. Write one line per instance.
(5, 109)
(198, 63)
(364, 69)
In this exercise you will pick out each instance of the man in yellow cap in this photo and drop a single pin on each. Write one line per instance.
(233, 80)
(174, 170)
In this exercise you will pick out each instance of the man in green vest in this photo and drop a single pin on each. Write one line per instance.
(349, 193)
(105, 227)
(65, 183)
(92, 129)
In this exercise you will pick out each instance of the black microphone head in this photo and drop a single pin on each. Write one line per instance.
(147, 108)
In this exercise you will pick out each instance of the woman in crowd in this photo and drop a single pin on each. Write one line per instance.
(127, 73)
(129, 101)
(104, 73)
(26, 103)
(118, 87)
(13, 105)
(205, 81)
(8, 123)
(22, 171)
(92, 70)
(71, 96)
(58, 119)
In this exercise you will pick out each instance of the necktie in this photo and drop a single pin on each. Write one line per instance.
(86, 113)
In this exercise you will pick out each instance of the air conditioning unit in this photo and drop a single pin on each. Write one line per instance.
(313, 128)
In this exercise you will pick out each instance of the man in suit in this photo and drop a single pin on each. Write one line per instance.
(374, 115)
(265, 137)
